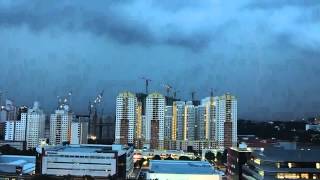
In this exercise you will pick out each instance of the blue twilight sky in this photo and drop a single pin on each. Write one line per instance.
(266, 52)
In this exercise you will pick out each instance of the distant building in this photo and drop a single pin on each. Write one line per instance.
(172, 170)
(226, 123)
(126, 118)
(167, 126)
(189, 122)
(60, 126)
(98, 161)
(79, 130)
(139, 136)
(29, 127)
(278, 163)
(155, 105)
(35, 126)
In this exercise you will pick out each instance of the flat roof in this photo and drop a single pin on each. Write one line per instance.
(181, 167)
(278, 154)
(87, 148)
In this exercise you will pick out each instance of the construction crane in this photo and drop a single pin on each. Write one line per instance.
(93, 114)
(147, 80)
(64, 100)
(2, 93)
(175, 93)
(193, 94)
(168, 89)
(212, 92)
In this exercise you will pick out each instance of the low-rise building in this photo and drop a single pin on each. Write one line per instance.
(17, 165)
(278, 163)
(313, 127)
(182, 170)
(237, 157)
(21, 145)
(98, 161)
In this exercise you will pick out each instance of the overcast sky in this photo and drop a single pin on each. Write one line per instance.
(266, 52)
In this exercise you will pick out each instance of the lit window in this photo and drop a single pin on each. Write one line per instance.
(257, 161)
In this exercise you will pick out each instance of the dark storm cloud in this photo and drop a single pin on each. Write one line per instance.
(265, 52)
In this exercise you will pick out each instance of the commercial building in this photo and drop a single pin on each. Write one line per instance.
(60, 125)
(126, 118)
(279, 163)
(16, 165)
(155, 105)
(182, 170)
(237, 157)
(98, 161)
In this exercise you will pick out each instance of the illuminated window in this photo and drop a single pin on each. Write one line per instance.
(261, 173)
(318, 165)
(278, 165)
(304, 176)
(288, 176)
(257, 161)
(290, 165)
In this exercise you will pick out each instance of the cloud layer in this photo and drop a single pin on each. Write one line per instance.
(265, 52)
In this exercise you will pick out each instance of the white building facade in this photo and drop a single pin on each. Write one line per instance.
(60, 126)
(155, 106)
(35, 126)
(126, 118)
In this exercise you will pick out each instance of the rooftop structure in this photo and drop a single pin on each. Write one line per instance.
(11, 164)
(171, 169)
(279, 163)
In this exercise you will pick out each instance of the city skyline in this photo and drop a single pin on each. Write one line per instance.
(263, 52)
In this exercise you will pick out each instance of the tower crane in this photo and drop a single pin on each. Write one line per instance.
(168, 89)
(147, 80)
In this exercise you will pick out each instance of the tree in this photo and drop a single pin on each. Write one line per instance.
(184, 158)
(156, 157)
(209, 156)
(225, 156)
(219, 157)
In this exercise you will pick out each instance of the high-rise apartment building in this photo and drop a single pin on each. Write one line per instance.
(189, 122)
(226, 130)
(178, 120)
(139, 136)
(60, 126)
(35, 129)
(126, 118)
(155, 106)
(167, 126)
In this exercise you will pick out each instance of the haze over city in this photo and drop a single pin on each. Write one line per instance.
(264, 52)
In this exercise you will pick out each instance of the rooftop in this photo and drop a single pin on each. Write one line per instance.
(126, 94)
(87, 148)
(181, 167)
(155, 95)
(279, 154)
